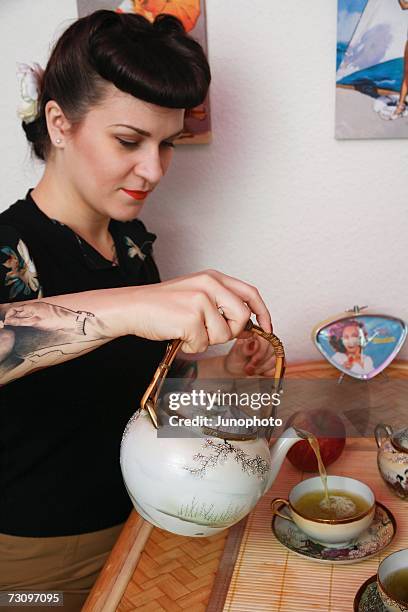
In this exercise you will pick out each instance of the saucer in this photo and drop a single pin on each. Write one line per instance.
(372, 541)
(368, 598)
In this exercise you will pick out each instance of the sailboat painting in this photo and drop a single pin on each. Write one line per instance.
(372, 69)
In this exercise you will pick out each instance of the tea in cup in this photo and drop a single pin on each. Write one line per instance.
(392, 581)
(334, 521)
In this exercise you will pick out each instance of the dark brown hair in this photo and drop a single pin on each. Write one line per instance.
(155, 62)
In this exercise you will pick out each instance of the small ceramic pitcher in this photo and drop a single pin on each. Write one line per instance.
(392, 458)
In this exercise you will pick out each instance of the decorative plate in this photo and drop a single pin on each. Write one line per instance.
(372, 541)
(360, 345)
(368, 598)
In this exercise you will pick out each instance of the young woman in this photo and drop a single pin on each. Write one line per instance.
(77, 274)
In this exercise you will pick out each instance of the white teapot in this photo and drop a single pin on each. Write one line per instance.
(200, 485)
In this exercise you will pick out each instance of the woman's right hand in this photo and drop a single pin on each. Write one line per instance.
(187, 308)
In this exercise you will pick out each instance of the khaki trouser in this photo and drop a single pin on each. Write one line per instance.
(70, 564)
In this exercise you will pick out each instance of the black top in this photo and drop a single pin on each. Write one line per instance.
(61, 427)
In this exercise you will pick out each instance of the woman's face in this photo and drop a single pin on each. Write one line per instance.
(122, 145)
(351, 338)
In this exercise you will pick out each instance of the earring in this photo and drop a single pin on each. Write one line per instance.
(58, 141)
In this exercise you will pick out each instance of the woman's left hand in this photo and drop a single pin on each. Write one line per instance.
(253, 356)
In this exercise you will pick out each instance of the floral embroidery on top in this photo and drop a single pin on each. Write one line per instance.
(133, 249)
(22, 275)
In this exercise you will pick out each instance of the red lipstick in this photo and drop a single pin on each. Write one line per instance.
(136, 195)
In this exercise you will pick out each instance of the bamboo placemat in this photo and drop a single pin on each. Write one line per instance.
(267, 576)
(151, 570)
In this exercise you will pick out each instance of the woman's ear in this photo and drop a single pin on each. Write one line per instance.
(57, 124)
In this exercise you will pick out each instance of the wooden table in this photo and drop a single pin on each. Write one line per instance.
(152, 570)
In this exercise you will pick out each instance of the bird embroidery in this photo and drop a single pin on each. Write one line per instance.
(134, 250)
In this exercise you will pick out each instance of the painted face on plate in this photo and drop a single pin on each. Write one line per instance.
(119, 153)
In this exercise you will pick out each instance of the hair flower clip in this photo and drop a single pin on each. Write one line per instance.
(29, 80)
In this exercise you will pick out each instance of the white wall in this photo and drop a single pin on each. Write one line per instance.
(316, 224)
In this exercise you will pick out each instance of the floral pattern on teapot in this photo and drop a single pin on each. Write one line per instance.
(219, 453)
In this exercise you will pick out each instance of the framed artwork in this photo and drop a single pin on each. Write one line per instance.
(197, 124)
(372, 69)
(360, 345)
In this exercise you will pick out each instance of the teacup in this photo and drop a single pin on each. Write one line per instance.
(395, 562)
(329, 532)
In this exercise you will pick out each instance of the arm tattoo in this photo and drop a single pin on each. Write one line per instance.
(36, 334)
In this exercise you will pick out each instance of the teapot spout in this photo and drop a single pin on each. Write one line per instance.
(280, 449)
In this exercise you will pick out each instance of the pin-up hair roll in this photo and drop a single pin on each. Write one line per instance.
(155, 62)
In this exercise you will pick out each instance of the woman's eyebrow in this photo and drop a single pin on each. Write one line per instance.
(143, 132)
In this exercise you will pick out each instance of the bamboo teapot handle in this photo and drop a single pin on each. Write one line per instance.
(151, 394)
